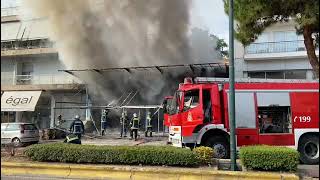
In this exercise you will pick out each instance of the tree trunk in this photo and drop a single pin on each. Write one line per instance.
(308, 42)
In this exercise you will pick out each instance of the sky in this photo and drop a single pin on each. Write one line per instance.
(210, 15)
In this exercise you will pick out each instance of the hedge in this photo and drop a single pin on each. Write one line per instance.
(269, 158)
(130, 155)
(204, 154)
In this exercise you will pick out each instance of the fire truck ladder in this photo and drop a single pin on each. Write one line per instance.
(251, 80)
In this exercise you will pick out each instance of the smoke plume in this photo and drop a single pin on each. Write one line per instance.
(120, 33)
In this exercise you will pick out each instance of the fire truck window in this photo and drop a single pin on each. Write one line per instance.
(191, 99)
(245, 110)
(275, 119)
(206, 105)
(274, 112)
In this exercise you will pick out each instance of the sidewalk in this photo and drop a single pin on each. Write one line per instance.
(130, 172)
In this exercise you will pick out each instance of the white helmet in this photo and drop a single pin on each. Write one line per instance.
(135, 115)
(77, 117)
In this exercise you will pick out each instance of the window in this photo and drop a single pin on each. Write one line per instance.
(29, 127)
(191, 99)
(245, 110)
(13, 127)
(263, 38)
(3, 127)
(296, 74)
(260, 75)
(274, 113)
(279, 36)
(207, 107)
(27, 68)
(275, 75)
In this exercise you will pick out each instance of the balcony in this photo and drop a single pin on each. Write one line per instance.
(9, 11)
(38, 79)
(40, 82)
(273, 50)
(9, 14)
(27, 47)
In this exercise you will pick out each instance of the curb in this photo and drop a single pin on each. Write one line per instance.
(131, 172)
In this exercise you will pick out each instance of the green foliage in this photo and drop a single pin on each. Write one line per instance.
(145, 155)
(221, 45)
(269, 158)
(253, 16)
(204, 154)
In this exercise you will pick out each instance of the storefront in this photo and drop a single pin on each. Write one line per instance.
(19, 106)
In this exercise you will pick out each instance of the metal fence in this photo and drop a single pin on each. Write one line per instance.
(276, 47)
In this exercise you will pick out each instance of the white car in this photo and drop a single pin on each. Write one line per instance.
(19, 133)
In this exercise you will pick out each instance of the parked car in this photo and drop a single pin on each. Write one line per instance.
(19, 133)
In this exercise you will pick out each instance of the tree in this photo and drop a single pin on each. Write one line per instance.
(221, 45)
(253, 16)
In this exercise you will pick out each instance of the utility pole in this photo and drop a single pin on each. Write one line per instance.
(231, 90)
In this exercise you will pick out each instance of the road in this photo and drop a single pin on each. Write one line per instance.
(309, 170)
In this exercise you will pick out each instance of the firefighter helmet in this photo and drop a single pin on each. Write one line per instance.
(77, 117)
(135, 115)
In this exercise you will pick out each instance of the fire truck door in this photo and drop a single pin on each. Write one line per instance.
(246, 131)
(192, 112)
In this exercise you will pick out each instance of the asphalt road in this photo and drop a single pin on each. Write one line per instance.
(309, 170)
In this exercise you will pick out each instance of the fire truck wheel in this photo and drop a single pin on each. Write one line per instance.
(309, 149)
(220, 146)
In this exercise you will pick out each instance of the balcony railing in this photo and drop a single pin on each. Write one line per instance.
(26, 44)
(10, 11)
(38, 79)
(276, 47)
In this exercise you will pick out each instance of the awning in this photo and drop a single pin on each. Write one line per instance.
(19, 100)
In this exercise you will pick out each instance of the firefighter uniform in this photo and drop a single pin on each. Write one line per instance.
(124, 124)
(148, 125)
(104, 116)
(73, 139)
(77, 127)
(134, 126)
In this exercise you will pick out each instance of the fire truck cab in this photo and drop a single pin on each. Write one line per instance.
(277, 112)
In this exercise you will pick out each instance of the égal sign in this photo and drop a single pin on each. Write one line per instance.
(19, 100)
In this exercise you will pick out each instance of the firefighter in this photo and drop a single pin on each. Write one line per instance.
(124, 123)
(77, 127)
(104, 116)
(134, 126)
(60, 120)
(148, 125)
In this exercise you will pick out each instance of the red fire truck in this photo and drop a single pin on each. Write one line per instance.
(277, 112)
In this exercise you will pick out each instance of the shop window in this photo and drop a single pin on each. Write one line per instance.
(274, 113)
(191, 99)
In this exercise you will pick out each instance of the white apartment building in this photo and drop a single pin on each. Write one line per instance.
(278, 53)
(29, 69)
